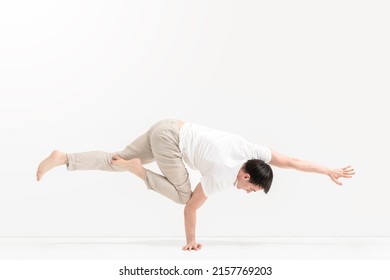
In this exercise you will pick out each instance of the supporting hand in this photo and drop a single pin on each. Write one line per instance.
(345, 172)
(197, 199)
(192, 246)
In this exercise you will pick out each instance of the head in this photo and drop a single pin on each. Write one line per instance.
(255, 175)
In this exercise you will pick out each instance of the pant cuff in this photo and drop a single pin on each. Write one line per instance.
(147, 183)
(71, 165)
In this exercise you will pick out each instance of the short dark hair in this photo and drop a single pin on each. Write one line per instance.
(260, 172)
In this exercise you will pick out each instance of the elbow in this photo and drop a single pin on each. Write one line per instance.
(189, 209)
(293, 163)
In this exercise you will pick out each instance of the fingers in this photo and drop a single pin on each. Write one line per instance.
(192, 247)
(347, 172)
(335, 180)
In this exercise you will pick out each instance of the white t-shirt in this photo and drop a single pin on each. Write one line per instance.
(217, 155)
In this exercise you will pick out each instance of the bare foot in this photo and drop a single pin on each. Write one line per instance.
(56, 158)
(133, 165)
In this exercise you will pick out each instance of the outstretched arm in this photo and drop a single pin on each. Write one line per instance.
(197, 199)
(283, 161)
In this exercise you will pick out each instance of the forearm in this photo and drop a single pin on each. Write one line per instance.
(190, 223)
(307, 166)
(197, 199)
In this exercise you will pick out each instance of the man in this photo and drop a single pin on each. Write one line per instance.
(224, 159)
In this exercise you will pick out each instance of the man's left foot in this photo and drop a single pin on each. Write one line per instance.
(133, 165)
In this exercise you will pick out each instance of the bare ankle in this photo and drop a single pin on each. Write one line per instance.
(143, 174)
(60, 157)
(137, 169)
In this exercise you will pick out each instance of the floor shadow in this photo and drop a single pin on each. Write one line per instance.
(160, 242)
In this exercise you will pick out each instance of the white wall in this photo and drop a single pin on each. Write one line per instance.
(307, 78)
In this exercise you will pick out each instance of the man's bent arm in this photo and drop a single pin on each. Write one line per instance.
(197, 199)
(283, 161)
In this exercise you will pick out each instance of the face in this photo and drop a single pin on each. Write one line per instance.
(242, 183)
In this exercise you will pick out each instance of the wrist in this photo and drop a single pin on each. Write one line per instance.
(327, 171)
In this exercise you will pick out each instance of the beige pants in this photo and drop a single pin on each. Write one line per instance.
(161, 144)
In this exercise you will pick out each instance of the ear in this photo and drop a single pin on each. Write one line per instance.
(247, 176)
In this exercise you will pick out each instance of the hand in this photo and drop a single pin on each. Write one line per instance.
(192, 246)
(345, 172)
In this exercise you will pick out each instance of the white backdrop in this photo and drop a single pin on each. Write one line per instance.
(307, 78)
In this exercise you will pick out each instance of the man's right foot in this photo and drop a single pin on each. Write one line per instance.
(56, 158)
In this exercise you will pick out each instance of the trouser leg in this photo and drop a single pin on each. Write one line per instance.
(175, 184)
(99, 160)
(160, 143)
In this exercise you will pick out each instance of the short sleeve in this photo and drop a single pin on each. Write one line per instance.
(263, 153)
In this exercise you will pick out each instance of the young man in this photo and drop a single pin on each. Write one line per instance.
(224, 159)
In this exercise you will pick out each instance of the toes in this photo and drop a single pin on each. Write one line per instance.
(116, 157)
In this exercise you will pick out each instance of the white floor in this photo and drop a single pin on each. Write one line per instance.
(272, 248)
